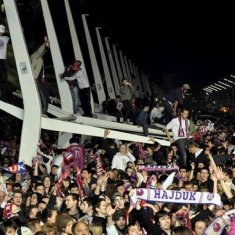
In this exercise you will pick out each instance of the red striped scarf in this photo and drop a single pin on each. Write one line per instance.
(181, 131)
(99, 166)
(79, 184)
(64, 174)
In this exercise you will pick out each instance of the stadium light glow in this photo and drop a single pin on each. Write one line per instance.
(227, 80)
(220, 86)
(224, 84)
(207, 89)
(214, 88)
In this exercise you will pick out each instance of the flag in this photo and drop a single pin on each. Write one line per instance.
(74, 157)
(16, 168)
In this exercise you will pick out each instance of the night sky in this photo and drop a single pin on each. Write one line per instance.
(195, 43)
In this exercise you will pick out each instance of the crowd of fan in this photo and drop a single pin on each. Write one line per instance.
(56, 197)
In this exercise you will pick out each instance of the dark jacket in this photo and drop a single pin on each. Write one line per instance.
(200, 158)
(150, 228)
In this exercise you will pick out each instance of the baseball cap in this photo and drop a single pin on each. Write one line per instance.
(186, 86)
(23, 231)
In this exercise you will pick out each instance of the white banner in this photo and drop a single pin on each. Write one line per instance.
(176, 196)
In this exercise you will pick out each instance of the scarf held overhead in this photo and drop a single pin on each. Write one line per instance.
(176, 196)
(160, 168)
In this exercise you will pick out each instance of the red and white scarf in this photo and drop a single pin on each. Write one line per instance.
(99, 166)
(181, 132)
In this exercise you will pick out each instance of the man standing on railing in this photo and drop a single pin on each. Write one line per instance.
(180, 128)
(126, 92)
(39, 73)
(83, 85)
(69, 77)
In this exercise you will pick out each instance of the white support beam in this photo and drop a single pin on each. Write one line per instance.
(94, 64)
(137, 82)
(109, 83)
(128, 70)
(65, 94)
(138, 78)
(32, 107)
(116, 126)
(118, 65)
(57, 112)
(13, 110)
(64, 91)
(113, 69)
(147, 83)
(85, 126)
(143, 82)
(57, 125)
(124, 72)
(102, 122)
(74, 36)
(76, 44)
(132, 73)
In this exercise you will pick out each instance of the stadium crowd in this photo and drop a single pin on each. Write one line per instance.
(108, 186)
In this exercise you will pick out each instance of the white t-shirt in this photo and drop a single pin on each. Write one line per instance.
(174, 125)
(82, 80)
(156, 113)
(3, 47)
(120, 161)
